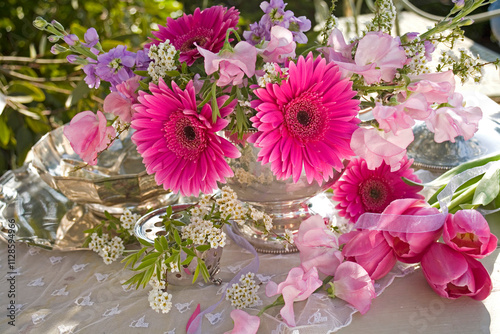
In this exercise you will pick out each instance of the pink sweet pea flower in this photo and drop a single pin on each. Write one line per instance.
(353, 284)
(457, 120)
(392, 118)
(409, 247)
(88, 135)
(378, 56)
(244, 323)
(436, 87)
(280, 47)
(120, 103)
(467, 231)
(299, 285)
(231, 65)
(377, 146)
(318, 246)
(453, 274)
(337, 50)
(369, 249)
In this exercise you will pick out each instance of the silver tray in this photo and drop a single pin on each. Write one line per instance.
(41, 216)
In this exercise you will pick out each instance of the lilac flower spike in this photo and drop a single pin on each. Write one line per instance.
(116, 66)
(71, 39)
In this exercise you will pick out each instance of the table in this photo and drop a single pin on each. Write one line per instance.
(75, 292)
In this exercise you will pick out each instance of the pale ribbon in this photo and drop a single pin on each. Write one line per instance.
(423, 223)
(253, 266)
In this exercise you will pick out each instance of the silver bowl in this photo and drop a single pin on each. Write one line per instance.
(118, 181)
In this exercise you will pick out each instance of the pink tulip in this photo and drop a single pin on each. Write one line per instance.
(457, 120)
(353, 284)
(280, 47)
(468, 232)
(88, 135)
(231, 65)
(370, 250)
(299, 285)
(120, 103)
(377, 146)
(409, 247)
(244, 323)
(318, 246)
(453, 274)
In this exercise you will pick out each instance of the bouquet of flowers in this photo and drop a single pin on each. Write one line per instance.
(199, 81)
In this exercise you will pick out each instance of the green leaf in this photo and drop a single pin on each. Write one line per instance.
(188, 260)
(488, 188)
(203, 248)
(196, 273)
(158, 245)
(204, 270)
(172, 74)
(177, 237)
(144, 242)
(4, 133)
(468, 206)
(142, 73)
(144, 86)
(81, 91)
(188, 251)
(164, 242)
(25, 88)
(147, 276)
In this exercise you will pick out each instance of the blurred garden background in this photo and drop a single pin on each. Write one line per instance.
(40, 91)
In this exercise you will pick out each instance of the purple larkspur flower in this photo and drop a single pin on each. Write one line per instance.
(275, 14)
(116, 66)
(142, 60)
(92, 80)
(71, 39)
(256, 34)
(298, 25)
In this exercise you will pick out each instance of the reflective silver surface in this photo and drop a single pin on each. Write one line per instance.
(150, 226)
(119, 180)
(428, 154)
(285, 200)
(41, 215)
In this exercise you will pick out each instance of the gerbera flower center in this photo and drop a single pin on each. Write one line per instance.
(185, 136)
(305, 117)
(200, 36)
(375, 195)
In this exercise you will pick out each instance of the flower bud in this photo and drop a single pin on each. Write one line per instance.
(56, 49)
(53, 38)
(40, 23)
(57, 25)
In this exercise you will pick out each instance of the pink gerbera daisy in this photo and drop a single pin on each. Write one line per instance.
(206, 28)
(364, 190)
(306, 122)
(179, 144)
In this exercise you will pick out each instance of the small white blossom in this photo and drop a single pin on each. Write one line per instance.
(244, 293)
(162, 58)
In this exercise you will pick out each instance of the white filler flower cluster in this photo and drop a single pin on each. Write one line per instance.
(163, 60)
(244, 293)
(108, 248)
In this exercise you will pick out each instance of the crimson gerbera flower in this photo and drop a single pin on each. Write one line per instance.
(306, 122)
(179, 144)
(363, 190)
(206, 28)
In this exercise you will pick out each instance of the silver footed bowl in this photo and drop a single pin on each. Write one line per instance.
(118, 181)
(287, 202)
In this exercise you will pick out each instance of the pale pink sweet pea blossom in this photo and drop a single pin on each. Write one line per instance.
(436, 87)
(89, 134)
(409, 247)
(392, 118)
(337, 49)
(370, 250)
(353, 284)
(378, 57)
(452, 274)
(318, 246)
(231, 65)
(120, 103)
(299, 285)
(377, 146)
(455, 120)
(280, 47)
(467, 231)
(244, 323)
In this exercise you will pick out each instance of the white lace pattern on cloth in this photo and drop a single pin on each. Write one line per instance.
(75, 292)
